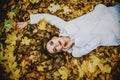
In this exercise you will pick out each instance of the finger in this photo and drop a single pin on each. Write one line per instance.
(16, 27)
(65, 49)
(20, 28)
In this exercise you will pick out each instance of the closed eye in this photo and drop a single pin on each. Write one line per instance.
(51, 43)
(55, 50)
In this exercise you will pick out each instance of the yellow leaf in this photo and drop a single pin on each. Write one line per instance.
(9, 57)
(23, 63)
(8, 49)
(33, 11)
(11, 38)
(94, 59)
(1, 52)
(49, 67)
(25, 41)
(34, 1)
(15, 74)
(53, 8)
(64, 72)
(35, 31)
(10, 66)
(13, 22)
(24, 66)
(80, 71)
(84, 66)
(56, 75)
(42, 24)
(97, 72)
(105, 68)
(10, 15)
(75, 61)
(14, 65)
(41, 67)
(92, 68)
(66, 10)
(93, 62)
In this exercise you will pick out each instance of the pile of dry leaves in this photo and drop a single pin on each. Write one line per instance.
(21, 53)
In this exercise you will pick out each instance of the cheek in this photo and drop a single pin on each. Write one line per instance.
(61, 40)
(49, 48)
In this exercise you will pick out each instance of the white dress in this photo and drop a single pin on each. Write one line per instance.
(101, 27)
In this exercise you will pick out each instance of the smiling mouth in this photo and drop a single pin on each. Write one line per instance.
(59, 42)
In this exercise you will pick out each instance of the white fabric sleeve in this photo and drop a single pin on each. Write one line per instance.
(52, 19)
(80, 51)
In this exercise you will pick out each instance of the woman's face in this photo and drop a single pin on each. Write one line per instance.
(55, 45)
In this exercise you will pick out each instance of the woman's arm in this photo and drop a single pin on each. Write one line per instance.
(35, 18)
(52, 19)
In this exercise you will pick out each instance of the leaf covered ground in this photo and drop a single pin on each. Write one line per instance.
(21, 53)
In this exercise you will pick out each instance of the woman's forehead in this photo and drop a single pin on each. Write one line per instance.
(52, 39)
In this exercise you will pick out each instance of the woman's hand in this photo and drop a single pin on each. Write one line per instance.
(69, 45)
(20, 25)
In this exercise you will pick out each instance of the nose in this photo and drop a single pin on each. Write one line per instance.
(58, 47)
(56, 44)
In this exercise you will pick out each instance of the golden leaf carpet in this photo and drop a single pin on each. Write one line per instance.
(21, 55)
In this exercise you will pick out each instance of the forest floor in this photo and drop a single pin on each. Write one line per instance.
(21, 55)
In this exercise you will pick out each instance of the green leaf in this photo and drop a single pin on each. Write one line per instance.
(15, 10)
(7, 25)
